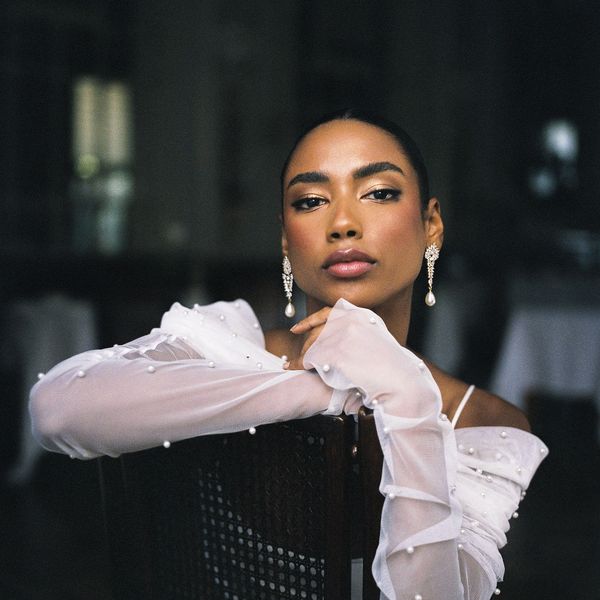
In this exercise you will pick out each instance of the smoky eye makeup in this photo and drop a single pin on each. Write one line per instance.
(307, 203)
(384, 194)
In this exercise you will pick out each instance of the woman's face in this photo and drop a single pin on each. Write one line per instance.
(353, 226)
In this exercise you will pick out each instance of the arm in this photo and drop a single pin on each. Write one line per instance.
(162, 388)
(424, 548)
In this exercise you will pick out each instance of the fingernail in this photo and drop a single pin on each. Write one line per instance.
(293, 327)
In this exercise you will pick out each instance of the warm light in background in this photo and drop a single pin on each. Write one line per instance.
(102, 157)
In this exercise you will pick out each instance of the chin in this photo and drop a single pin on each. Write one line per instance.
(366, 296)
(356, 297)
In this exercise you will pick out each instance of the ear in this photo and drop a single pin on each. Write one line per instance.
(284, 244)
(434, 226)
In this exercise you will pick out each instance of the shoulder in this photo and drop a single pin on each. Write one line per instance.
(483, 408)
(488, 410)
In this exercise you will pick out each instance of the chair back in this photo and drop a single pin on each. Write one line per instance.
(234, 516)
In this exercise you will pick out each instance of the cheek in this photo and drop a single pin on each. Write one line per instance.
(407, 231)
(300, 237)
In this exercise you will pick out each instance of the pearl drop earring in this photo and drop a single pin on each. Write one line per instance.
(432, 253)
(288, 282)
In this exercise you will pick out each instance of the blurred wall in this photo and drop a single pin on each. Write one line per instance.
(221, 89)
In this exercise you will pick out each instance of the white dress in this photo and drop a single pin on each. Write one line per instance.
(449, 493)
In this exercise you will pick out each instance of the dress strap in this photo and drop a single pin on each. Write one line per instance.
(462, 404)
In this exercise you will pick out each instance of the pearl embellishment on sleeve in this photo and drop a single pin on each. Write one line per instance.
(252, 430)
(80, 374)
(167, 444)
(150, 369)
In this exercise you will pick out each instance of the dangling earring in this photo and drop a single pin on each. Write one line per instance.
(288, 282)
(432, 253)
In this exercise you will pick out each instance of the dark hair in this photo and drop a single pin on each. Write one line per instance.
(408, 145)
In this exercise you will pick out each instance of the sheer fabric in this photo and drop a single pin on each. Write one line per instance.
(449, 493)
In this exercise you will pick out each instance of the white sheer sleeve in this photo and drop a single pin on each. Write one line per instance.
(202, 372)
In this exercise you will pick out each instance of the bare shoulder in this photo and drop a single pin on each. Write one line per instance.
(488, 410)
(483, 408)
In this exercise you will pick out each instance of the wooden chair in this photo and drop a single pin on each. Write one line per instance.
(269, 516)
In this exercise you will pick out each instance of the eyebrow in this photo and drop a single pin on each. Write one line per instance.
(360, 173)
(308, 177)
(374, 168)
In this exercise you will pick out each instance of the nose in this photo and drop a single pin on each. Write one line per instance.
(345, 223)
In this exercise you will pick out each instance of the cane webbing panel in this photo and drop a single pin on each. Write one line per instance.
(233, 517)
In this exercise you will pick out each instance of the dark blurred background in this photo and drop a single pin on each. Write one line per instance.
(140, 148)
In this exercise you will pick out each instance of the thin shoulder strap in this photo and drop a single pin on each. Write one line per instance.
(462, 404)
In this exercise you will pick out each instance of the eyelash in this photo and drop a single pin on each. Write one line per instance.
(302, 204)
(392, 194)
(298, 204)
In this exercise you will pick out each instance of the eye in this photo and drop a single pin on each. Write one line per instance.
(383, 194)
(308, 203)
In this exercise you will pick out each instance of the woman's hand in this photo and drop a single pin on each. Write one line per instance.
(310, 327)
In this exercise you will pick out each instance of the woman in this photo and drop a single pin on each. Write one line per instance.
(357, 220)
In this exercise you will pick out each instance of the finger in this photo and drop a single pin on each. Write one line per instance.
(314, 320)
(298, 361)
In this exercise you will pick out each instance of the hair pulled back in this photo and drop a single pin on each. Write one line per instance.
(403, 139)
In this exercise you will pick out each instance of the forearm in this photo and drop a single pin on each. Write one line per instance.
(101, 402)
(421, 518)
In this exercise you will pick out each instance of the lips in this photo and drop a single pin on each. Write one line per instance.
(348, 263)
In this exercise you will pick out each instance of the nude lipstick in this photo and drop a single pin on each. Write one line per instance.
(349, 263)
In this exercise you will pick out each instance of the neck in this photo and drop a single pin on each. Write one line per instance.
(395, 313)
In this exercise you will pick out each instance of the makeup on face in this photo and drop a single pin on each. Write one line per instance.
(353, 221)
(348, 263)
